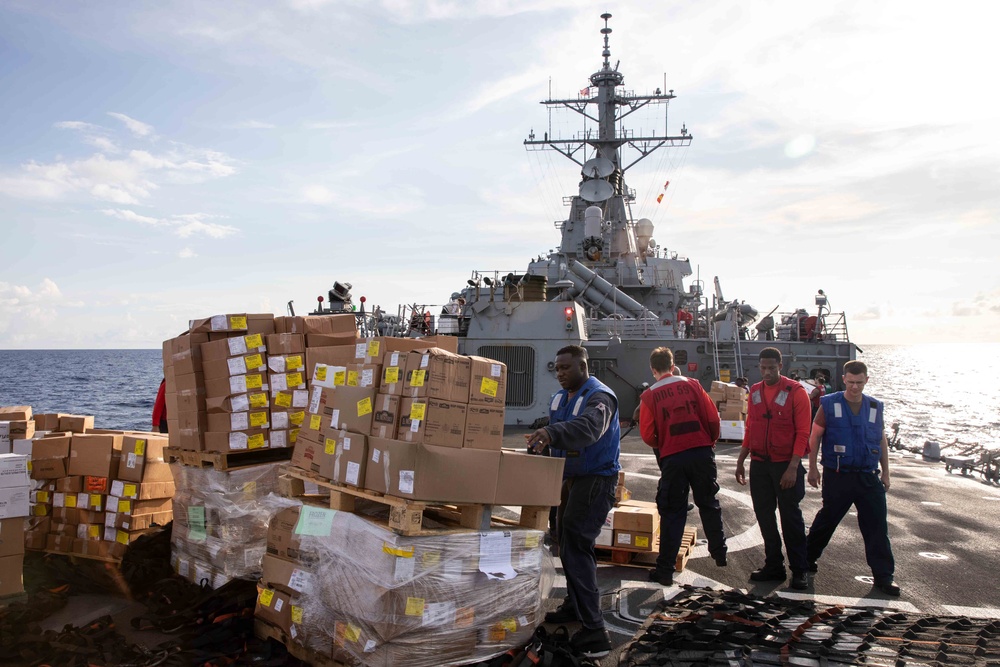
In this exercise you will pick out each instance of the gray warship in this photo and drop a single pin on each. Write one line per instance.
(611, 287)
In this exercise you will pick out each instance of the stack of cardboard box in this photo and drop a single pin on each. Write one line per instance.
(352, 590)
(14, 508)
(732, 403)
(633, 525)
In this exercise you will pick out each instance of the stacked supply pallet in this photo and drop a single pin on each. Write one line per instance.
(731, 401)
(14, 509)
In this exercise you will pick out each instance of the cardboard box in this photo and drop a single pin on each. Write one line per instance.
(136, 453)
(437, 373)
(15, 502)
(338, 355)
(637, 517)
(19, 429)
(364, 375)
(289, 399)
(328, 376)
(287, 419)
(488, 383)
(624, 539)
(370, 350)
(286, 575)
(48, 468)
(230, 322)
(254, 400)
(11, 579)
(385, 419)
(76, 423)
(52, 447)
(239, 421)
(528, 479)
(484, 427)
(6, 443)
(236, 441)
(255, 362)
(140, 522)
(731, 430)
(91, 454)
(432, 421)
(136, 507)
(35, 539)
(274, 607)
(341, 456)
(236, 384)
(15, 413)
(66, 514)
(11, 537)
(68, 485)
(286, 363)
(186, 400)
(428, 472)
(287, 381)
(234, 346)
(317, 324)
(144, 490)
(48, 421)
(285, 343)
(347, 408)
(14, 471)
(606, 538)
(393, 373)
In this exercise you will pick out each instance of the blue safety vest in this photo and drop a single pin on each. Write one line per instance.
(600, 458)
(851, 442)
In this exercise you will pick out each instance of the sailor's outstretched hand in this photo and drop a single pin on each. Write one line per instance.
(538, 440)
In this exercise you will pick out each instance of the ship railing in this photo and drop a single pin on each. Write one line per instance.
(803, 326)
(608, 327)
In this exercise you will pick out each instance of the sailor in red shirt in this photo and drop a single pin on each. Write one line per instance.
(776, 439)
(678, 418)
(160, 409)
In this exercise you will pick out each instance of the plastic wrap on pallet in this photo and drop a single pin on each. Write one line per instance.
(448, 598)
(220, 520)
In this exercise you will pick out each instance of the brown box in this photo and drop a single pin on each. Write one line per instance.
(427, 472)
(437, 373)
(93, 546)
(255, 362)
(48, 421)
(282, 540)
(21, 429)
(136, 453)
(285, 575)
(254, 400)
(187, 422)
(236, 441)
(527, 479)
(385, 419)
(76, 423)
(364, 375)
(11, 579)
(488, 385)
(287, 381)
(185, 400)
(142, 521)
(236, 384)
(51, 447)
(339, 456)
(637, 516)
(393, 373)
(11, 536)
(60, 543)
(286, 419)
(239, 421)
(316, 324)
(627, 539)
(343, 408)
(286, 363)
(15, 413)
(285, 343)
(36, 539)
(484, 427)
(231, 322)
(432, 421)
(136, 507)
(274, 607)
(234, 346)
(338, 355)
(145, 490)
(65, 515)
(69, 485)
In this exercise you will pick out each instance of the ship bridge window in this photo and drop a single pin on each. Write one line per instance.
(520, 362)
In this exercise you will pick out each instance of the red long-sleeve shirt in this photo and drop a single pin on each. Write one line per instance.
(676, 414)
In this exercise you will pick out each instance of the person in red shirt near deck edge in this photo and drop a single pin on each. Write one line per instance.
(679, 419)
(776, 439)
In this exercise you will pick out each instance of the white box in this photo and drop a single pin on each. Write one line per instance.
(606, 538)
(731, 430)
(14, 471)
(22, 447)
(14, 502)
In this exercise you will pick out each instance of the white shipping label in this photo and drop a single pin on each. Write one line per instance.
(279, 438)
(370, 646)
(415, 426)
(279, 604)
(495, 370)
(130, 460)
(238, 384)
(279, 420)
(83, 500)
(237, 441)
(404, 569)
(239, 421)
(183, 568)
(361, 350)
(406, 481)
(394, 359)
(109, 519)
(279, 382)
(376, 455)
(300, 581)
(424, 360)
(237, 346)
(253, 556)
(300, 398)
(439, 613)
(59, 500)
(353, 470)
(335, 418)
(118, 488)
(314, 401)
(367, 378)
(112, 504)
(218, 322)
(276, 364)
(237, 366)
(240, 403)
(346, 444)
(624, 538)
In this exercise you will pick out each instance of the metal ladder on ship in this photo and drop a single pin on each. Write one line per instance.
(726, 354)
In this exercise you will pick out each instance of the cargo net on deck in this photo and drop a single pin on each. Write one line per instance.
(708, 627)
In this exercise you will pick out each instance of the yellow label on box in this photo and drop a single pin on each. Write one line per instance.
(392, 375)
(93, 531)
(339, 378)
(417, 380)
(364, 407)
(402, 552)
(321, 373)
(41, 510)
(253, 340)
(352, 633)
(531, 541)
(42, 497)
(489, 387)
(509, 624)
(414, 606)
(237, 322)
(430, 559)
(352, 378)
(255, 381)
(265, 597)
(373, 347)
(314, 422)
(294, 362)
(283, 399)
(70, 501)
(497, 633)
(129, 490)
(125, 506)
(418, 410)
(95, 501)
(121, 537)
(293, 435)
(254, 361)
(258, 400)
(294, 379)
(642, 542)
(296, 615)
(258, 419)
(250, 489)
(331, 446)
(140, 447)
(29, 466)
(297, 417)
(255, 441)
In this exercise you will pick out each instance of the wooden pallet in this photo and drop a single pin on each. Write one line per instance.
(227, 460)
(265, 631)
(406, 516)
(634, 557)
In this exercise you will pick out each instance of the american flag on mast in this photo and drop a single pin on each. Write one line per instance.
(585, 92)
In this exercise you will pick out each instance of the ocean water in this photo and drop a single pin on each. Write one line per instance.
(944, 392)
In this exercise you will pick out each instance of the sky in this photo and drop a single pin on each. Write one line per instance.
(163, 161)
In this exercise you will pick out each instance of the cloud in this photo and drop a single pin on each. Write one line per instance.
(252, 125)
(183, 225)
(18, 302)
(331, 125)
(77, 125)
(397, 201)
(187, 253)
(136, 127)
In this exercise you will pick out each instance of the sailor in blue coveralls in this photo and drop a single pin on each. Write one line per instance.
(584, 429)
(853, 446)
